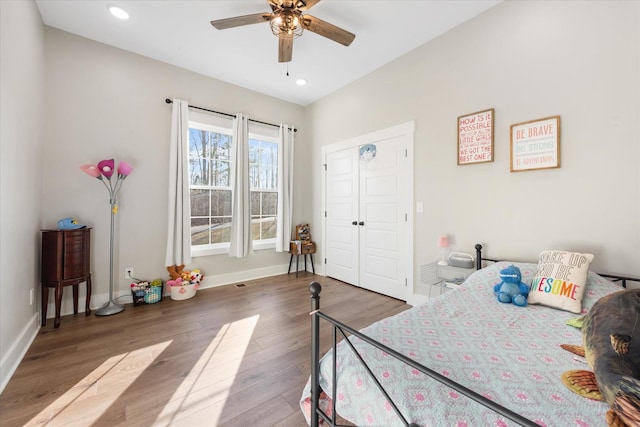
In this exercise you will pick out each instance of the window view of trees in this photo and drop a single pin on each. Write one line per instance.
(263, 177)
(210, 186)
(210, 166)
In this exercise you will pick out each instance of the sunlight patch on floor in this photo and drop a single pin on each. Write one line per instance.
(94, 394)
(201, 397)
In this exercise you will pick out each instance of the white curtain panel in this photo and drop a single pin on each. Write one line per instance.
(241, 240)
(179, 227)
(285, 188)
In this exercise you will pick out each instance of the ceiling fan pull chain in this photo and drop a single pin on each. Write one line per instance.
(287, 69)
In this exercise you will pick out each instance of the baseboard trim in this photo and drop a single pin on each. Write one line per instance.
(18, 349)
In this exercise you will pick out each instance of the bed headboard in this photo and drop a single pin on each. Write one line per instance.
(611, 277)
(478, 256)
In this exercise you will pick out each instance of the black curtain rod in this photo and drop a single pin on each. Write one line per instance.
(170, 101)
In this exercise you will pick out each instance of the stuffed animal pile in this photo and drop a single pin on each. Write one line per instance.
(181, 277)
(512, 289)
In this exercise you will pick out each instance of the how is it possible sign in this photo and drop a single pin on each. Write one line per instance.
(475, 137)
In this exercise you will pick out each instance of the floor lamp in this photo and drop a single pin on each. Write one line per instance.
(104, 172)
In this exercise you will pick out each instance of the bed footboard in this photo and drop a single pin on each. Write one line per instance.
(316, 412)
(314, 289)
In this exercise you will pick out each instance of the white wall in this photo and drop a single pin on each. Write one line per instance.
(104, 102)
(21, 141)
(528, 60)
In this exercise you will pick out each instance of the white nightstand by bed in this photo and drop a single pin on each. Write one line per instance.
(440, 278)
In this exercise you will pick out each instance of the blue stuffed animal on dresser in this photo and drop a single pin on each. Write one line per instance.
(512, 289)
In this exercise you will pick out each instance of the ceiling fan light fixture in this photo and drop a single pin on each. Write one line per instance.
(286, 23)
(301, 82)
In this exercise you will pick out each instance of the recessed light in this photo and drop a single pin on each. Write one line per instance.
(301, 82)
(118, 12)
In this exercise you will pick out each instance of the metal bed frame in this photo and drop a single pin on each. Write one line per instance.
(317, 414)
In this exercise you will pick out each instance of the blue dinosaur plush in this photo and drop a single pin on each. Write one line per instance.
(512, 289)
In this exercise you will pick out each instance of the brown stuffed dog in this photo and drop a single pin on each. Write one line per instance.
(175, 271)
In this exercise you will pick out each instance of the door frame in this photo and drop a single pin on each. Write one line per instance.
(404, 129)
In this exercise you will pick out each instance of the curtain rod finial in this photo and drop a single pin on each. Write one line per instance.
(168, 101)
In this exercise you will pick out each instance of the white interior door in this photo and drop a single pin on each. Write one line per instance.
(341, 211)
(368, 220)
(383, 219)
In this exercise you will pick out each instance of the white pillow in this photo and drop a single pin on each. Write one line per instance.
(560, 280)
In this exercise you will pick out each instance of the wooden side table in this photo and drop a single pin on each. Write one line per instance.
(306, 248)
(65, 262)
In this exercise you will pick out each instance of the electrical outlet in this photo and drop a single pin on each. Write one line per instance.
(30, 296)
(128, 273)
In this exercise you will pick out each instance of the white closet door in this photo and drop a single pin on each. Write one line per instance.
(382, 184)
(342, 210)
(368, 241)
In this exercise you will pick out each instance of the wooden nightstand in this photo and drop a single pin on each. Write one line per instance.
(306, 248)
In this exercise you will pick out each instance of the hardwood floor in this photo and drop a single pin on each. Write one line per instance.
(230, 356)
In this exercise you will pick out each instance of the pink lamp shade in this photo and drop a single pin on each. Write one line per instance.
(124, 168)
(106, 167)
(443, 242)
(91, 170)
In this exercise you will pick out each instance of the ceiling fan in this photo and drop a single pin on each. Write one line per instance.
(287, 22)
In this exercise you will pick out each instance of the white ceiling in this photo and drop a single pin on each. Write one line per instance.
(180, 33)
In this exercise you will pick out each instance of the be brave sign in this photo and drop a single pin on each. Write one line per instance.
(475, 137)
(535, 144)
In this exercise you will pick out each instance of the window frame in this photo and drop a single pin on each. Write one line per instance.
(224, 248)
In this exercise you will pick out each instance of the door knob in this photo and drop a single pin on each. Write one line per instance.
(361, 223)
(354, 223)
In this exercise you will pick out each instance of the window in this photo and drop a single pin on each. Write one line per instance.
(263, 181)
(210, 185)
(210, 165)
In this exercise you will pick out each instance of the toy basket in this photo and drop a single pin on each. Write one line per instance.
(143, 292)
(185, 287)
(183, 292)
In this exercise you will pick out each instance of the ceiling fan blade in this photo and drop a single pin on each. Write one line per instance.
(274, 4)
(305, 5)
(285, 49)
(237, 21)
(327, 30)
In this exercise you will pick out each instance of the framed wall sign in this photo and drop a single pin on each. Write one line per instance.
(535, 144)
(475, 137)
